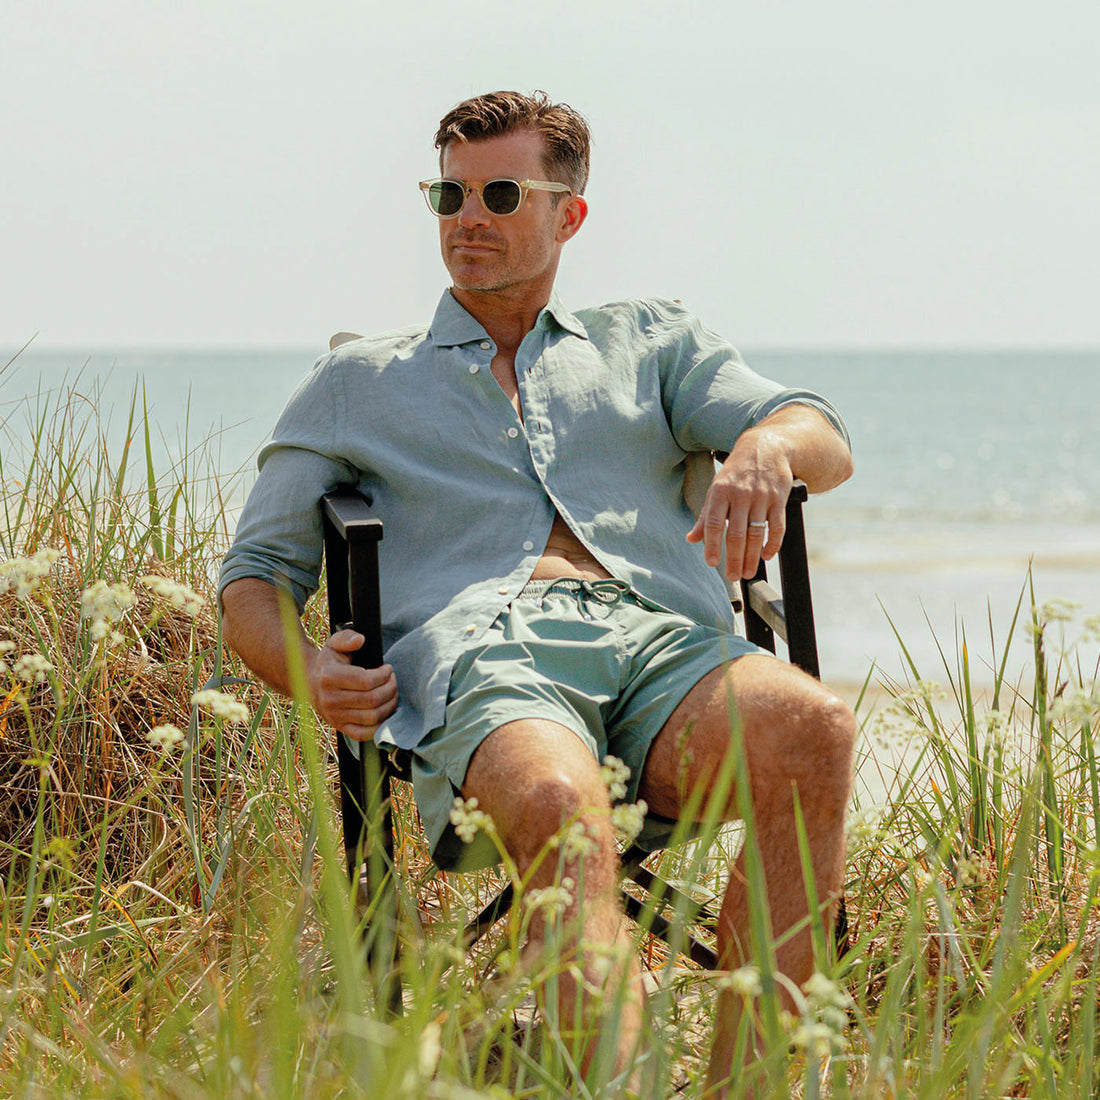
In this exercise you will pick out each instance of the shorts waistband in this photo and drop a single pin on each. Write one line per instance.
(599, 589)
(605, 592)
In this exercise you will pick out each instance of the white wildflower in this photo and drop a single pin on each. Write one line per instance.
(575, 841)
(823, 992)
(33, 668)
(744, 981)
(1078, 707)
(818, 1039)
(1057, 610)
(468, 819)
(552, 900)
(998, 729)
(614, 774)
(824, 1018)
(894, 727)
(221, 705)
(628, 818)
(6, 646)
(864, 826)
(177, 595)
(47, 901)
(165, 737)
(104, 604)
(23, 575)
(1091, 627)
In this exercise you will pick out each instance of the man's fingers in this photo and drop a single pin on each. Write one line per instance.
(346, 641)
(777, 528)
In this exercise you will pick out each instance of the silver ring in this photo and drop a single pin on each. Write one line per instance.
(758, 523)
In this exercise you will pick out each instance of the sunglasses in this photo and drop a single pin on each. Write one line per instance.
(446, 198)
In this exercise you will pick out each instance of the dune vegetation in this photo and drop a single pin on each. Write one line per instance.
(175, 919)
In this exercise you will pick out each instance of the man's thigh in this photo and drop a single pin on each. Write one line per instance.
(777, 706)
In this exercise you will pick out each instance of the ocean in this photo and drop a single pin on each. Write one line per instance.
(971, 468)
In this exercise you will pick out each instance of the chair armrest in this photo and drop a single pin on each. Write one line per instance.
(352, 533)
(791, 615)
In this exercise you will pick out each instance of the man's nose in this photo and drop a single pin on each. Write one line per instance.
(473, 211)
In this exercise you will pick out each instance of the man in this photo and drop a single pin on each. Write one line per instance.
(543, 608)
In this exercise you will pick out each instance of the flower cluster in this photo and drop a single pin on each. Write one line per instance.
(221, 705)
(824, 1018)
(103, 604)
(864, 826)
(468, 819)
(33, 668)
(176, 595)
(5, 648)
(575, 840)
(744, 982)
(628, 818)
(165, 737)
(551, 900)
(614, 774)
(23, 575)
(1057, 610)
(1079, 707)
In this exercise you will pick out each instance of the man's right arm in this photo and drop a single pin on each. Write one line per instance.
(353, 700)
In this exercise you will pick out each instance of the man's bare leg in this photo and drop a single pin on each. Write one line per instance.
(532, 777)
(798, 736)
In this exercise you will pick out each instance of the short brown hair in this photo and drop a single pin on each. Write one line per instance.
(497, 113)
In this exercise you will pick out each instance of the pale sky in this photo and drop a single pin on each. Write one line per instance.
(852, 173)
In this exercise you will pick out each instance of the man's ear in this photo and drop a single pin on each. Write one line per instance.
(571, 217)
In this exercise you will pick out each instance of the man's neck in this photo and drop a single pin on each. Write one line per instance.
(507, 318)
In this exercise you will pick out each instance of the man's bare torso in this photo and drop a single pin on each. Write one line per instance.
(564, 555)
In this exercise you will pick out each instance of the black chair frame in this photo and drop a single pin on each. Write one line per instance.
(352, 533)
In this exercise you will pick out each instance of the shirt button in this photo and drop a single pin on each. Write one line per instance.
(474, 368)
(528, 545)
(513, 432)
(503, 590)
(470, 628)
(485, 345)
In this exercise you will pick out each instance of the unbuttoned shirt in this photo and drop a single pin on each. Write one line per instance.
(613, 399)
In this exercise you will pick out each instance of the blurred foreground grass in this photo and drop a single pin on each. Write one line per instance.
(175, 920)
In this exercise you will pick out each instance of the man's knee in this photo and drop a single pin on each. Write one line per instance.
(814, 741)
(539, 783)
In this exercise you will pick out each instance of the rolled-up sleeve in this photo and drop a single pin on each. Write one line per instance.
(711, 396)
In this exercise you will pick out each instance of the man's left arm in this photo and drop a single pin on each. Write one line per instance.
(750, 489)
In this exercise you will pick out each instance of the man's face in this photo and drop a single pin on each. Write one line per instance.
(489, 253)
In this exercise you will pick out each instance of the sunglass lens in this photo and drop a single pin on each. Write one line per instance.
(501, 196)
(446, 198)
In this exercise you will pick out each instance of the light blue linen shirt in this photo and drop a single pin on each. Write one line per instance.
(613, 399)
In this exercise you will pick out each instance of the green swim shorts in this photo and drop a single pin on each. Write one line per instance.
(594, 656)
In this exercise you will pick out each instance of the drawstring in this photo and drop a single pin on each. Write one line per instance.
(606, 593)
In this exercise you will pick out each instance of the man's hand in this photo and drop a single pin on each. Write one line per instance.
(746, 505)
(356, 701)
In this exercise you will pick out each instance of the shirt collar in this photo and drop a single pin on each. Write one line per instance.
(452, 325)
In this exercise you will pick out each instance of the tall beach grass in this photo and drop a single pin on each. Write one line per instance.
(176, 922)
